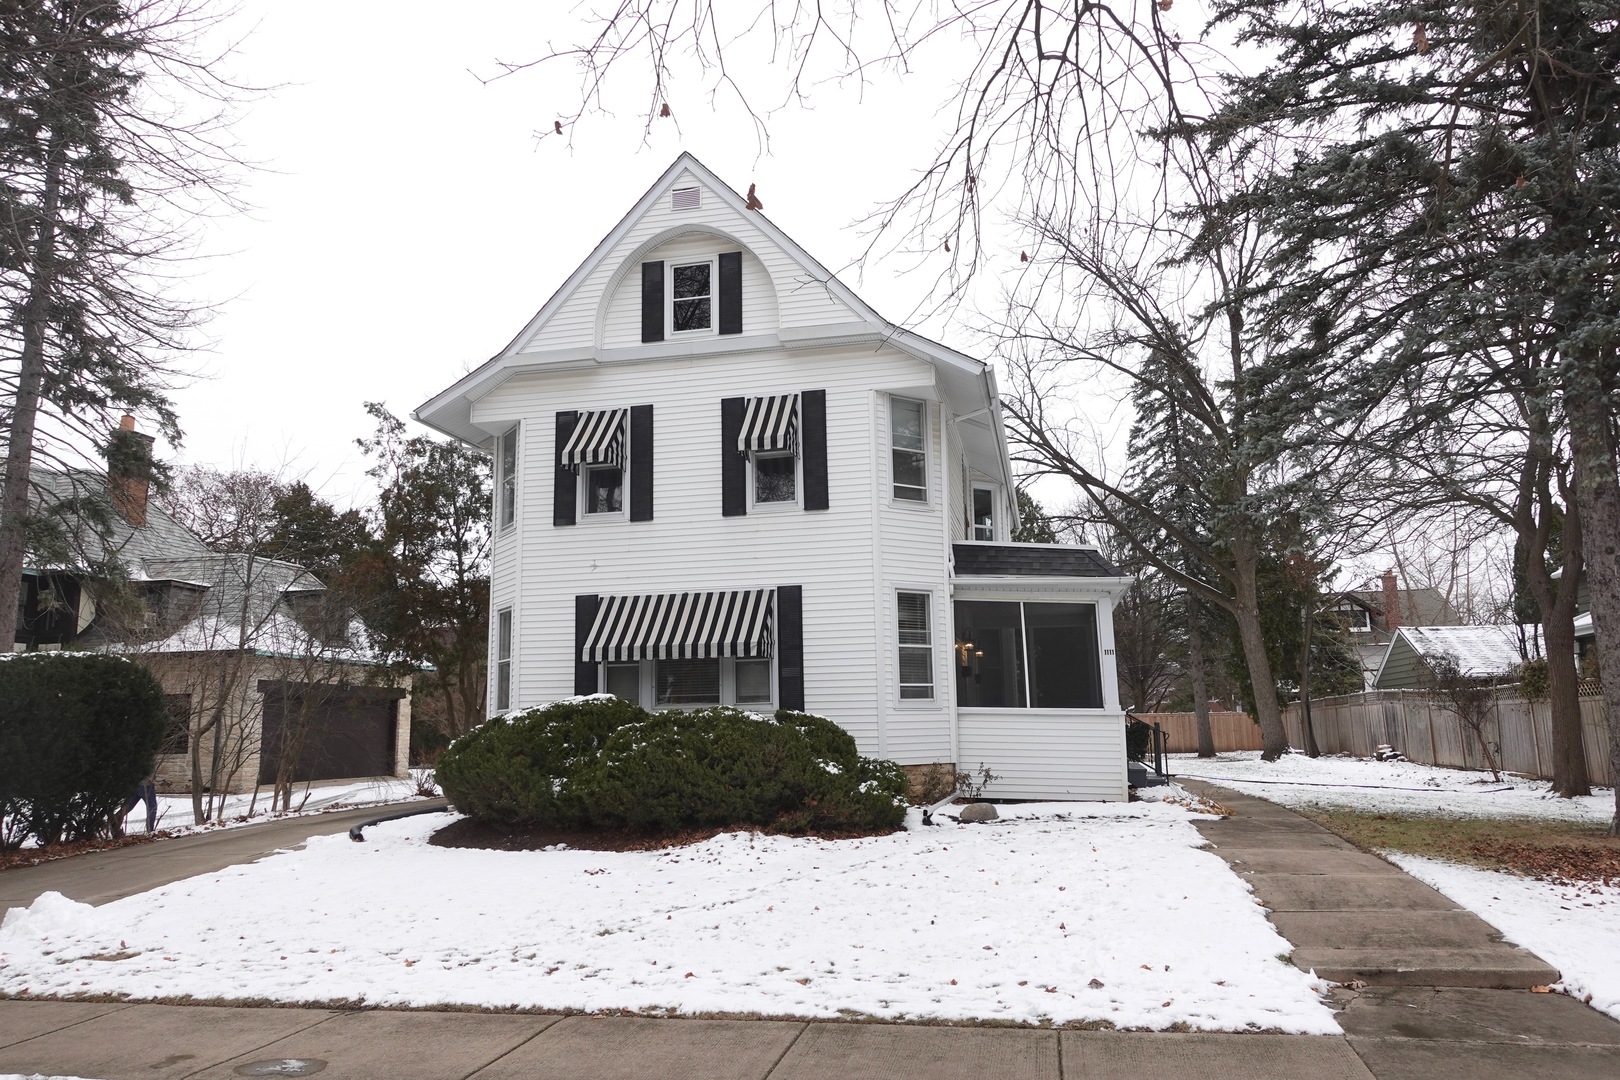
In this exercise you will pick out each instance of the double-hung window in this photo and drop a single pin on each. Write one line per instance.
(686, 650)
(770, 440)
(508, 466)
(691, 296)
(908, 454)
(503, 660)
(597, 450)
(984, 513)
(916, 645)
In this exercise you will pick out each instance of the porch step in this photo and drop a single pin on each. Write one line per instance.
(1139, 775)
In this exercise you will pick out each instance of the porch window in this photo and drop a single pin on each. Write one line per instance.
(503, 660)
(1027, 654)
(916, 646)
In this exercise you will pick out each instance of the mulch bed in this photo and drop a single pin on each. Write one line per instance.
(37, 855)
(468, 833)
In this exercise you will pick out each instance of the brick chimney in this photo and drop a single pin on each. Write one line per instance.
(129, 471)
(1392, 601)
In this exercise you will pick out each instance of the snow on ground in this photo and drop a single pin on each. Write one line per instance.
(1060, 911)
(1400, 787)
(175, 814)
(1575, 928)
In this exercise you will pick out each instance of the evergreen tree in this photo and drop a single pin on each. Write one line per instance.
(95, 168)
(1453, 177)
(426, 582)
(1034, 524)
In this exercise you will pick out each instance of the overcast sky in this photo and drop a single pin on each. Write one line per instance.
(408, 222)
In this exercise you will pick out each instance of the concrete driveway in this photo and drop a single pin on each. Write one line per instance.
(103, 876)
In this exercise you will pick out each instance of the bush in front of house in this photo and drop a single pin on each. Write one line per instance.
(78, 733)
(518, 769)
(603, 763)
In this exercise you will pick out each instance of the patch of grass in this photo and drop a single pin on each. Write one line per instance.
(1550, 850)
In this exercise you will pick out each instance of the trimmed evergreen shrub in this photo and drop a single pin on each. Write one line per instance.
(78, 733)
(516, 769)
(605, 763)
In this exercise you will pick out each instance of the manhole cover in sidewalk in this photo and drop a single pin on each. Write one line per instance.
(282, 1067)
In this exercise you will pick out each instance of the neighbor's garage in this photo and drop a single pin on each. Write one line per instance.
(328, 732)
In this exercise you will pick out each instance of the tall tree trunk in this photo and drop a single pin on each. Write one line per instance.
(1200, 685)
(1311, 749)
(30, 380)
(1273, 736)
(1597, 498)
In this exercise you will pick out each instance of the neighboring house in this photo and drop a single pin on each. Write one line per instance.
(721, 478)
(246, 642)
(1371, 617)
(1481, 652)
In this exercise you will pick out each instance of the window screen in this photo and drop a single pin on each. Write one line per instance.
(753, 682)
(688, 682)
(989, 654)
(916, 646)
(1064, 669)
(623, 681)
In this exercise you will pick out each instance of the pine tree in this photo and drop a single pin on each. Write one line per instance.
(92, 171)
(1454, 171)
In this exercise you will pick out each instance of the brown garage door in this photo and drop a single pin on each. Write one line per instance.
(328, 733)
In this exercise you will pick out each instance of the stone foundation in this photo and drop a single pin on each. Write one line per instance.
(930, 783)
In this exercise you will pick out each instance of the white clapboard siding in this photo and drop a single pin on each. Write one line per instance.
(1045, 755)
(799, 300)
(689, 545)
(622, 321)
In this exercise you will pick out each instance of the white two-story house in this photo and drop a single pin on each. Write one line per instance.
(722, 478)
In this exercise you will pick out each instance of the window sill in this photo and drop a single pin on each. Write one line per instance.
(774, 507)
(908, 504)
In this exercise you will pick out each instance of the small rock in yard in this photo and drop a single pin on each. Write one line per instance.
(979, 811)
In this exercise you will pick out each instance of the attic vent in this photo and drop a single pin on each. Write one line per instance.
(684, 199)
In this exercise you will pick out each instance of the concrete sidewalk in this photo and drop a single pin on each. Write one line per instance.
(168, 1042)
(103, 876)
(1438, 993)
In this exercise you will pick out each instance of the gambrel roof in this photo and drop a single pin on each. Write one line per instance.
(812, 309)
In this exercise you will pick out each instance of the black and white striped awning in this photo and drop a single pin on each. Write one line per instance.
(598, 439)
(682, 626)
(770, 423)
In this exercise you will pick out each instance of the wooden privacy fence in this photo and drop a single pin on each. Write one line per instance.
(1519, 731)
(1232, 730)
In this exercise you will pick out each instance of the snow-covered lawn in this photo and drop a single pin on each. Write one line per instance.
(1059, 912)
(1395, 787)
(1575, 928)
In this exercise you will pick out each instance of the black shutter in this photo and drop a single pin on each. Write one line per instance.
(641, 462)
(584, 615)
(565, 484)
(813, 438)
(790, 646)
(652, 301)
(733, 466)
(730, 292)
